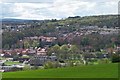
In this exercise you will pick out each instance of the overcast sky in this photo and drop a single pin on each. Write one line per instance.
(56, 9)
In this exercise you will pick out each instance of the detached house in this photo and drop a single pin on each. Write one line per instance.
(41, 51)
(31, 52)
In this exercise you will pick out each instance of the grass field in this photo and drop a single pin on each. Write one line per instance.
(90, 71)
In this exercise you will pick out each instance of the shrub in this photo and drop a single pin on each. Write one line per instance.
(56, 64)
(115, 58)
(27, 67)
(49, 65)
(103, 61)
(35, 67)
(70, 64)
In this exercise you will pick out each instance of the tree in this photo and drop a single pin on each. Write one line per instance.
(26, 44)
(115, 58)
(74, 51)
(6, 46)
(54, 49)
(64, 51)
(35, 43)
(85, 41)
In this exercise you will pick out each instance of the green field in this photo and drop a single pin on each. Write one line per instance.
(90, 71)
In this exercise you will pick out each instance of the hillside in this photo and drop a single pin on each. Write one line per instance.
(90, 71)
(54, 27)
(101, 20)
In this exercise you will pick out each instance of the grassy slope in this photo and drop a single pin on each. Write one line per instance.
(91, 71)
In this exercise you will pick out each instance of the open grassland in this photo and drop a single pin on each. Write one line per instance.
(89, 71)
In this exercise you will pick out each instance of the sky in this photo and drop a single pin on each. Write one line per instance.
(55, 9)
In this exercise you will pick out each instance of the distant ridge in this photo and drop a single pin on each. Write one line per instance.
(18, 21)
(10, 19)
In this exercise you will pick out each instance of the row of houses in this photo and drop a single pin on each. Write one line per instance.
(31, 51)
(42, 38)
(14, 27)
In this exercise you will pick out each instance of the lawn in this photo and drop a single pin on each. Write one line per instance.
(90, 71)
(11, 63)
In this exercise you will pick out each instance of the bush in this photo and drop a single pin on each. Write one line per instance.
(56, 65)
(70, 64)
(48, 65)
(115, 58)
(77, 63)
(26, 68)
(35, 67)
(103, 61)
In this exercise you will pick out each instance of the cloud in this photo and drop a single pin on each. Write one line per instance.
(69, 7)
(26, 1)
(58, 8)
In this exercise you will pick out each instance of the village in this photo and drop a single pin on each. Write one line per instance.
(34, 52)
(59, 39)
